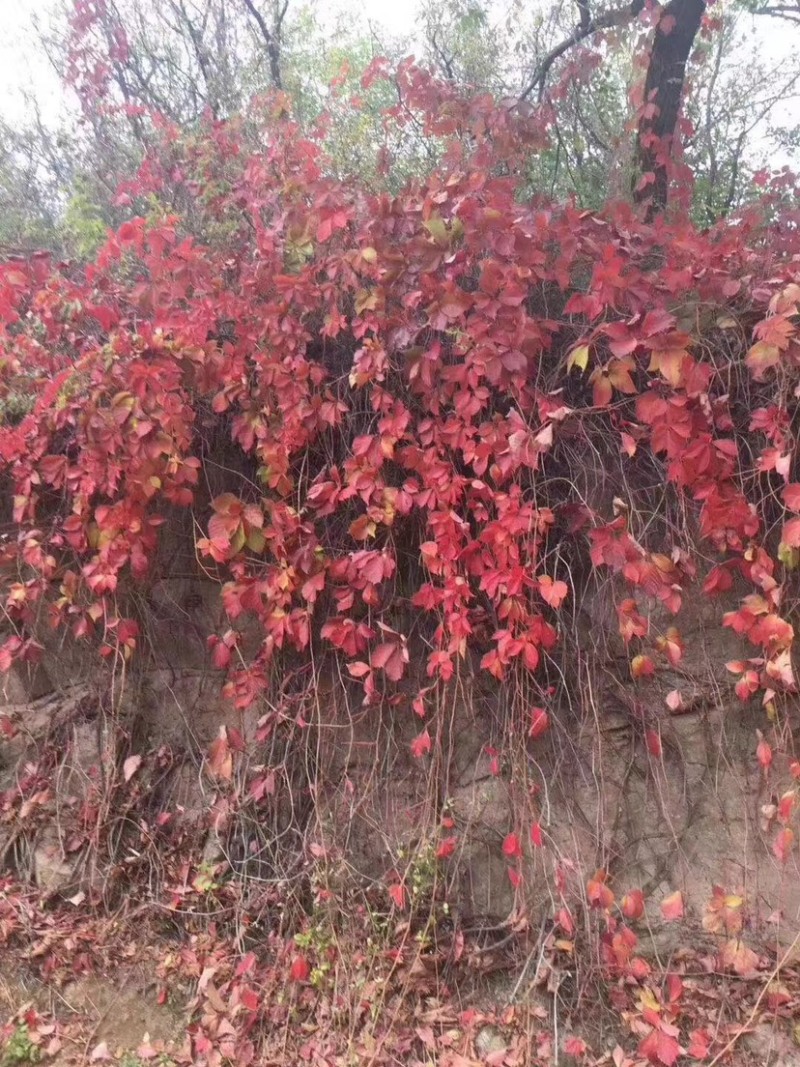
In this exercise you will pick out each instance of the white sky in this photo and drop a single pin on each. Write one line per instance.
(21, 69)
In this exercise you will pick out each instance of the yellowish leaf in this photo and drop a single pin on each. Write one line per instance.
(578, 357)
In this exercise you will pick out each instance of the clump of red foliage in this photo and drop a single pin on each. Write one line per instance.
(406, 379)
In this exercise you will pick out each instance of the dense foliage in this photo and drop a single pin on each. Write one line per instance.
(414, 385)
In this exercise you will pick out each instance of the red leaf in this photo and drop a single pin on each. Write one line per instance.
(249, 999)
(653, 739)
(718, 581)
(540, 721)
(786, 806)
(737, 957)
(494, 760)
(747, 685)
(512, 847)
(553, 593)
(598, 893)
(263, 786)
(764, 753)
(791, 533)
(300, 969)
(660, 1048)
(362, 528)
(642, 667)
(575, 1046)
(628, 445)
(421, 745)
(220, 760)
(672, 907)
(391, 658)
(398, 894)
(565, 921)
(418, 704)
(359, 669)
(783, 844)
(633, 905)
(447, 847)
(15, 278)
(220, 654)
(126, 232)
(536, 836)
(699, 1044)
(245, 964)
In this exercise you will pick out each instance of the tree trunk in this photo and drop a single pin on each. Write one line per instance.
(272, 38)
(675, 34)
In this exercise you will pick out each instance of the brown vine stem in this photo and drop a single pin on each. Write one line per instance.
(775, 972)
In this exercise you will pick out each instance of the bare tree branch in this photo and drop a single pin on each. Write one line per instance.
(196, 38)
(444, 58)
(789, 12)
(734, 179)
(713, 167)
(271, 39)
(585, 28)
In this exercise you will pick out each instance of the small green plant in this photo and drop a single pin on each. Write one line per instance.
(20, 1049)
(421, 871)
(318, 941)
(205, 879)
(14, 407)
(130, 1059)
(84, 226)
